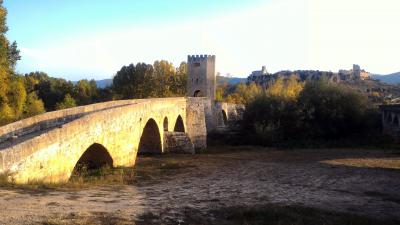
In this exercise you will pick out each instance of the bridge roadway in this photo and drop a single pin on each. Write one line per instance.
(49, 147)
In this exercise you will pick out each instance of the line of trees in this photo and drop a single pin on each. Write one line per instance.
(290, 111)
(16, 101)
(143, 80)
(23, 96)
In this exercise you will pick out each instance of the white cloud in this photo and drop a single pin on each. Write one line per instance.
(284, 34)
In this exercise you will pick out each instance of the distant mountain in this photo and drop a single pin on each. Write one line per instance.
(104, 83)
(393, 78)
(230, 80)
(220, 80)
(100, 83)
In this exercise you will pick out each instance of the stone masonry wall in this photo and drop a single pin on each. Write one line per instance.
(196, 122)
(55, 118)
(51, 156)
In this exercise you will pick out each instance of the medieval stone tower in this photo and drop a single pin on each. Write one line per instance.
(201, 76)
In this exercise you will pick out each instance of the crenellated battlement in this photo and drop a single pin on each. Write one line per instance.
(198, 58)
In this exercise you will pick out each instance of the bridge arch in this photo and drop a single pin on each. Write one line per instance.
(150, 140)
(224, 117)
(179, 125)
(94, 157)
(165, 124)
(198, 93)
(396, 121)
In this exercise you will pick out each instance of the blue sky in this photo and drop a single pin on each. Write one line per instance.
(94, 39)
(40, 21)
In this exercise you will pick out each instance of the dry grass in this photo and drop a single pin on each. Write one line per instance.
(150, 170)
(384, 163)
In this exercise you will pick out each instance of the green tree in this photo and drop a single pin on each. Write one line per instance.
(164, 73)
(330, 110)
(244, 93)
(134, 81)
(34, 105)
(13, 54)
(85, 92)
(17, 95)
(286, 88)
(10, 87)
(145, 81)
(68, 102)
(180, 80)
(50, 90)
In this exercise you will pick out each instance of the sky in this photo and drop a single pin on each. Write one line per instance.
(93, 39)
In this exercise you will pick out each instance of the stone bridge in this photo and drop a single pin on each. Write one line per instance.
(49, 147)
(391, 120)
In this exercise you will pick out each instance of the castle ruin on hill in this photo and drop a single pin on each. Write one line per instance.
(264, 78)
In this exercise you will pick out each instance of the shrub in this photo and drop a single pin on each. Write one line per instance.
(321, 111)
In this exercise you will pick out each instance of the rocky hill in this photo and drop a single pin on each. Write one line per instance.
(393, 78)
(377, 91)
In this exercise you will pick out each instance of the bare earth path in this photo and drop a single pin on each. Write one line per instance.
(361, 182)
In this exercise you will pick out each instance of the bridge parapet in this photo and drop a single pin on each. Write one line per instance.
(50, 146)
(54, 119)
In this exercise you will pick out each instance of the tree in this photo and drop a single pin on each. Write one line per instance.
(286, 88)
(164, 73)
(143, 80)
(68, 102)
(180, 80)
(11, 90)
(13, 54)
(244, 93)
(17, 95)
(50, 90)
(85, 92)
(34, 105)
(330, 110)
(272, 118)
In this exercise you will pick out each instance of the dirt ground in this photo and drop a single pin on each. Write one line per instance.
(169, 189)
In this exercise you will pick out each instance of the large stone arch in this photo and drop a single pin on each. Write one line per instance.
(118, 129)
(94, 157)
(198, 93)
(395, 121)
(224, 118)
(179, 125)
(150, 140)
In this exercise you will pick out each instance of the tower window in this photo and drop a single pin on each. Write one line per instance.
(196, 64)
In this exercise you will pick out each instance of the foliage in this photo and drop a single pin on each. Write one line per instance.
(12, 88)
(33, 106)
(17, 95)
(288, 89)
(68, 102)
(320, 110)
(271, 117)
(243, 93)
(143, 80)
(331, 110)
(85, 92)
(53, 90)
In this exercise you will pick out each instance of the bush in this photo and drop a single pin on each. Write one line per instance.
(271, 118)
(322, 111)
